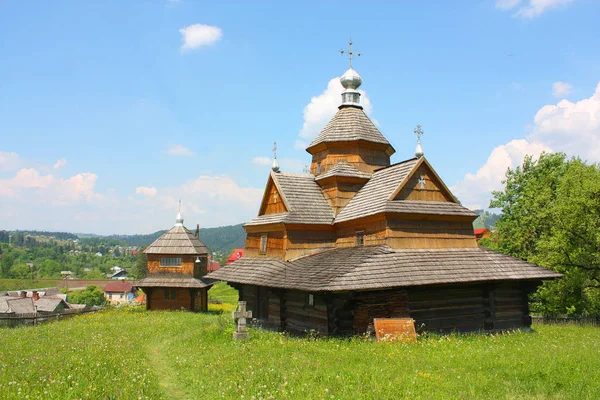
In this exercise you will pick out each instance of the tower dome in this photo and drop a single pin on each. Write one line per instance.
(351, 79)
(179, 219)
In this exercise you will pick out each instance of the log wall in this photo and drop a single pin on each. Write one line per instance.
(300, 317)
(470, 307)
(340, 314)
(339, 193)
(303, 242)
(413, 233)
(432, 191)
(275, 244)
(155, 299)
(375, 230)
(364, 157)
(378, 304)
(273, 202)
(187, 266)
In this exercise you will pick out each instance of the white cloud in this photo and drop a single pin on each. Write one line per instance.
(573, 128)
(324, 106)
(10, 161)
(28, 186)
(530, 8)
(146, 191)
(179, 150)
(561, 89)
(474, 190)
(261, 161)
(59, 163)
(198, 35)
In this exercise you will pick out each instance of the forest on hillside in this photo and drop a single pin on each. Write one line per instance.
(220, 239)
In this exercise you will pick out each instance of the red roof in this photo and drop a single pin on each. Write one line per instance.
(118, 287)
(134, 252)
(235, 255)
(141, 298)
(480, 231)
(213, 266)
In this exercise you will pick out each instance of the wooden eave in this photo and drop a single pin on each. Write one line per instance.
(308, 227)
(345, 143)
(421, 161)
(340, 178)
(264, 228)
(430, 217)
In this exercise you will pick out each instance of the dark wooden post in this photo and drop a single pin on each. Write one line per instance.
(283, 310)
(192, 300)
(148, 297)
(489, 306)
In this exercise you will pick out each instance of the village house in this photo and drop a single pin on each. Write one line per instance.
(358, 238)
(31, 301)
(119, 292)
(177, 265)
(481, 233)
(236, 254)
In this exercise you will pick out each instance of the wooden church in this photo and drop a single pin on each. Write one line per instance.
(177, 265)
(357, 239)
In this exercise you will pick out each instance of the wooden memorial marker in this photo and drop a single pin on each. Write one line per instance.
(391, 329)
(241, 314)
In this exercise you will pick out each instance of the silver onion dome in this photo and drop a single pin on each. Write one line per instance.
(351, 79)
(179, 219)
(419, 150)
(275, 166)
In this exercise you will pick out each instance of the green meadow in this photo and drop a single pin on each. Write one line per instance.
(129, 353)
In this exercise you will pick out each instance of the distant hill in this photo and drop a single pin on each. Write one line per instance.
(486, 219)
(222, 239)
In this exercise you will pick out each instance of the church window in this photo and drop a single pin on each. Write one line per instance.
(310, 300)
(263, 243)
(170, 294)
(170, 261)
(360, 238)
(318, 168)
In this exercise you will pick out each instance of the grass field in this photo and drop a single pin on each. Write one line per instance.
(130, 353)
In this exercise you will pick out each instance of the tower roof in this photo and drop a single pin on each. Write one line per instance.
(350, 124)
(177, 240)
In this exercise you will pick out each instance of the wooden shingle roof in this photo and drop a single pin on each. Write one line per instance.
(381, 267)
(350, 124)
(305, 201)
(374, 197)
(343, 169)
(177, 240)
(175, 281)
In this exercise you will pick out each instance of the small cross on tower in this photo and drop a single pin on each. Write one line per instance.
(421, 182)
(350, 53)
(275, 166)
(419, 132)
(241, 314)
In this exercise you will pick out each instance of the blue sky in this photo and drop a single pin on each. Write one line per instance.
(112, 111)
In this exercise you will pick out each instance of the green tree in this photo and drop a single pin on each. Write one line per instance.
(140, 268)
(20, 271)
(551, 217)
(90, 296)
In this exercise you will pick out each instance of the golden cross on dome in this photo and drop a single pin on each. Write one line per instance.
(274, 149)
(419, 132)
(350, 52)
